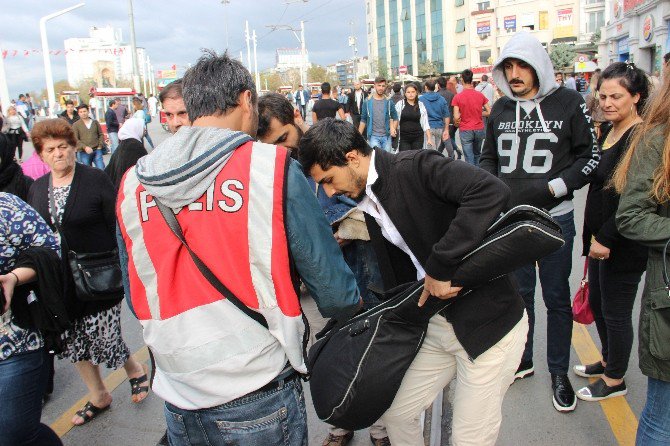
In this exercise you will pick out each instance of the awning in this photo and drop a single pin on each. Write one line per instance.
(564, 40)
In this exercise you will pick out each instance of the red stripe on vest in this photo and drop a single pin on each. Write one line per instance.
(281, 274)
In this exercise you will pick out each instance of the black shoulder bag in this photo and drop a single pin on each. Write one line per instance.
(173, 224)
(97, 275)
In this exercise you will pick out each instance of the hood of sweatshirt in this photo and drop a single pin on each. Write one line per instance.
(180, 169)
(431, 96)
(525, 47)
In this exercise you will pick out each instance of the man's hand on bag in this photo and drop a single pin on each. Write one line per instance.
(437, 288)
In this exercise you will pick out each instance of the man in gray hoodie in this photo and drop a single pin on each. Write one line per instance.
(541, 143)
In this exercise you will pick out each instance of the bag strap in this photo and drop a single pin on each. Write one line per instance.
(586, 267)
(172, 222)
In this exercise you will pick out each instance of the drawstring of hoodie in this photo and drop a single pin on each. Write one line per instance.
(545, 128)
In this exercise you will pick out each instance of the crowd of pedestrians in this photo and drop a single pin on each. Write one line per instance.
(218, 235)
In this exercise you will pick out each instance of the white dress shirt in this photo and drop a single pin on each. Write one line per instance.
(370, 204)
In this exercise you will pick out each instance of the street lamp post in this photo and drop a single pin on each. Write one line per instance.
(51, 94)
(133, 46)
(303, 51)
(5, 100)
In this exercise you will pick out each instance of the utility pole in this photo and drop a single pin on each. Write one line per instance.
(247, 37)
(258, 76)
(133, 45)
(225, 19)
(352, 44)
(5, 100)
(303, 51)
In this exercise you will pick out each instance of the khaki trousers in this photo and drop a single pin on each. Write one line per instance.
(480, 386)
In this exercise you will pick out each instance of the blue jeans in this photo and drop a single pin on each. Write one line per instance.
(91, 159)
(654, 426)
(383, 142)
(362, 260)
(23, 378)
(555, 281)
(471, 142)
(114, 141)
(148, 138)
(274, 417)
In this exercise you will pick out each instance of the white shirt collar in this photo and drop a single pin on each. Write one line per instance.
(372, 173)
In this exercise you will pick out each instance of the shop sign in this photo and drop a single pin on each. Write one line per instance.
(510, 23)
(648, 28)
(484, 27)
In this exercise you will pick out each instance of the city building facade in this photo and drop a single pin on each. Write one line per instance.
(638, 31)
(458, 34)
(103, 57)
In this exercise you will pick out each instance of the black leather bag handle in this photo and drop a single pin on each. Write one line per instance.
(172, 222)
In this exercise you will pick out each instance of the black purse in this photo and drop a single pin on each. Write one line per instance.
(97, 275)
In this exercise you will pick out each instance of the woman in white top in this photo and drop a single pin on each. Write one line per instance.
(413, 121)
(16, 130)
(140, 113)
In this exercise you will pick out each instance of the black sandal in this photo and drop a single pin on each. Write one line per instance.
(89, 407)
(136, 388)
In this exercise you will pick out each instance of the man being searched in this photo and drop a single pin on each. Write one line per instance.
(380, 117)
(443, 213)
(540, 142)
(327, 106)
(249, 215)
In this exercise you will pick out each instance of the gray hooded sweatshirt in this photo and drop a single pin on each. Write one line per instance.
(547, 140)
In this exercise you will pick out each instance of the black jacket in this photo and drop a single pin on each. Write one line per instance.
(599, 215)
(89, 222)
(442, 208)
(351, 106)
(568, 150)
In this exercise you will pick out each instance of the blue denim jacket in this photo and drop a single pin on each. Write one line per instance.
(314, 250)
(367, 116)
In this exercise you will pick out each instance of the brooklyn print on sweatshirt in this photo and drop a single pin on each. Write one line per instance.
(534, 143)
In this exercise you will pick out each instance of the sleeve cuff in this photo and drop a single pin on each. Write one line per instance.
(438, 270)
(559, 187)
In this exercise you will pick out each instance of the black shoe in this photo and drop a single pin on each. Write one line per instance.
(380, 441)
(601, 391)
(564, 395)
(164, 440)
(525, 369)
(338, 440)
(589, 371)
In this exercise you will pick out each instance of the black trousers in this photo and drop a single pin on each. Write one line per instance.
(611, 297)
(355, 120)
(408, 142)
(16, 142)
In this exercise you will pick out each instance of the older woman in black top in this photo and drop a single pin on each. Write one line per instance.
(615, 263)
(84, 199)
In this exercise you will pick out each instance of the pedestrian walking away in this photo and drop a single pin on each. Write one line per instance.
(470, 107)
(112, 124)
(439, 117)
(540, 142)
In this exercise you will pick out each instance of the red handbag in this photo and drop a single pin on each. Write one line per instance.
(581, 310)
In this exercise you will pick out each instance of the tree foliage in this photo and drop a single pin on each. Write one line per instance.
(271, 81)
(563, 56)
(428, 68)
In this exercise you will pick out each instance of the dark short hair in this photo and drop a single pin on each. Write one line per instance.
(396, 87)
(666, 57)
(328, 141)
(173, 90)
(273, 105)
(22, 96)
(213, 85)
(111, 102)
(56, 128)
(80, 106)
(633, 79)
(325, 88)
(442, 82)
(485, 78)
(69, 102)
(380, 79)
(429, 85)
(467, 75)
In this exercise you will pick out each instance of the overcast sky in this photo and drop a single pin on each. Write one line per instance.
(173, 32)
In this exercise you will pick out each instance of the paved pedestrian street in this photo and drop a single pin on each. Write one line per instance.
(528, 415)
